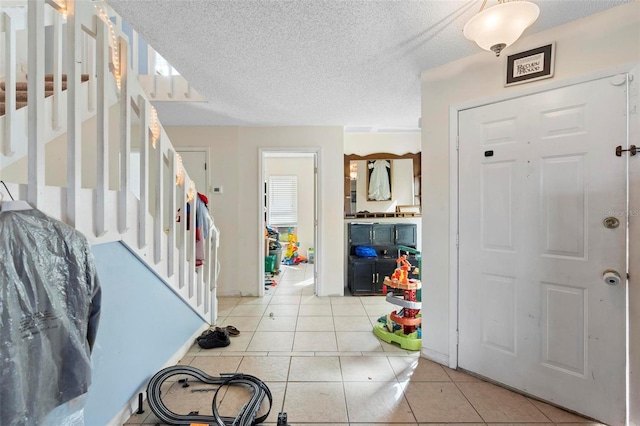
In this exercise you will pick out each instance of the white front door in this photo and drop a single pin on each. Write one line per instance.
(538, 176)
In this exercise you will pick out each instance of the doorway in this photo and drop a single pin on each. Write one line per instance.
(288, 212)
(195, 161)
(539, 184)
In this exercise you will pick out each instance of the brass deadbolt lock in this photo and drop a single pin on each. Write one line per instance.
(611, 222)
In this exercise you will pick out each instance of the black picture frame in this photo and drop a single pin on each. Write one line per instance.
(530, 65)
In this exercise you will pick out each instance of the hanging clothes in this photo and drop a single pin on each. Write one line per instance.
(49, 312)
(179, 216)
(202, 227)
(379, 185)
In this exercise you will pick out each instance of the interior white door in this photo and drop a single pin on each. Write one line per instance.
(315, 224)
(195, 163)
(538, 176)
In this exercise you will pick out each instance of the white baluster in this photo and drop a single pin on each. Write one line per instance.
(173, 208)
(182, 235)
(187, 93)
(102, 117)
(10, 84)
(56, 116)
(125, 137)
(74, 118)
(205, 272)
(90, 69)
(135, 49)
(35, 100)
(159, 191)
(172, 88)
(191, 240)
(151, 60)
(143, 205)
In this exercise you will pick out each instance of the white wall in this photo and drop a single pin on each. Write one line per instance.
(302, 167)
(235, 166)
(584, 46)
(131, 295)
(371, 143)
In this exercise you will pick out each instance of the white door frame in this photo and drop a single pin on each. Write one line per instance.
(318, 228)
(454, 193)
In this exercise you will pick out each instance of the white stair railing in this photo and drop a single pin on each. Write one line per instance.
(105, 120)
(160, 80)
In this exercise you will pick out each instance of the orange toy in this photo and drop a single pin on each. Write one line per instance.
(401, 274)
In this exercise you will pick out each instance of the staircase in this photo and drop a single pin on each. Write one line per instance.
(22, 92)
(90, 111)
(84, 145)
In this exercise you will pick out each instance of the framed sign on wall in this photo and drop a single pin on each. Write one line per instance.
(531, 65)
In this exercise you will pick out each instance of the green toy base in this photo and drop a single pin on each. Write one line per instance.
(408, 342)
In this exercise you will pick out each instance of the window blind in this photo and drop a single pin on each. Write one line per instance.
(283, 200)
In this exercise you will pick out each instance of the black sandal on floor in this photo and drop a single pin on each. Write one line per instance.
(232, 330)
(214, 339)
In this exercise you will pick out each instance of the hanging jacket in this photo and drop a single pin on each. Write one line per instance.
(49, 311)
(202, 229)
(379, 185)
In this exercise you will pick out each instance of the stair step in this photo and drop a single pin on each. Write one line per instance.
(21, 86)
(21, 96)
(21, 90)
(49, 77)
(48, 82)
(18, 106)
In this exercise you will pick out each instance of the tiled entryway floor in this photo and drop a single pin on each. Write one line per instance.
(324, 366)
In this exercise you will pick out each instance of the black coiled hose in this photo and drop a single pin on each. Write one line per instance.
(246, 416)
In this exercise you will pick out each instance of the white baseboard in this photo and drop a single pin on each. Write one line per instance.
(132, 406)
(435, 356)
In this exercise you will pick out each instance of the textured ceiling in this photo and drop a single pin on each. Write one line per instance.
(349, 63)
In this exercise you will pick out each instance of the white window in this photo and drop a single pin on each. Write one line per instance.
(162, 67)
(283, 200)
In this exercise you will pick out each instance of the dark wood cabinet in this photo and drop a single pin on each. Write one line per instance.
(366, 275)
(384, 268)
(382, 234)
(360, 234)
(406, 235)
(362, 273)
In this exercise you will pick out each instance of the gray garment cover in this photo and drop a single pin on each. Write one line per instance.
(49, 311)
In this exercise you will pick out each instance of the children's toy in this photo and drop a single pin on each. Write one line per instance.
(292, 249)
(402, 326)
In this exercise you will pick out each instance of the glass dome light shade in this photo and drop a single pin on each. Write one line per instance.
(501, 25)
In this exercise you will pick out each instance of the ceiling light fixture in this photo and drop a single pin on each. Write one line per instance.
(501, 25)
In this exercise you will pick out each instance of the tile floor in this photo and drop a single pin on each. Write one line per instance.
(324, 366)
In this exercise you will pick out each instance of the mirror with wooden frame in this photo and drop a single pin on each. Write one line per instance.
(378, 192)
(379, 183)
